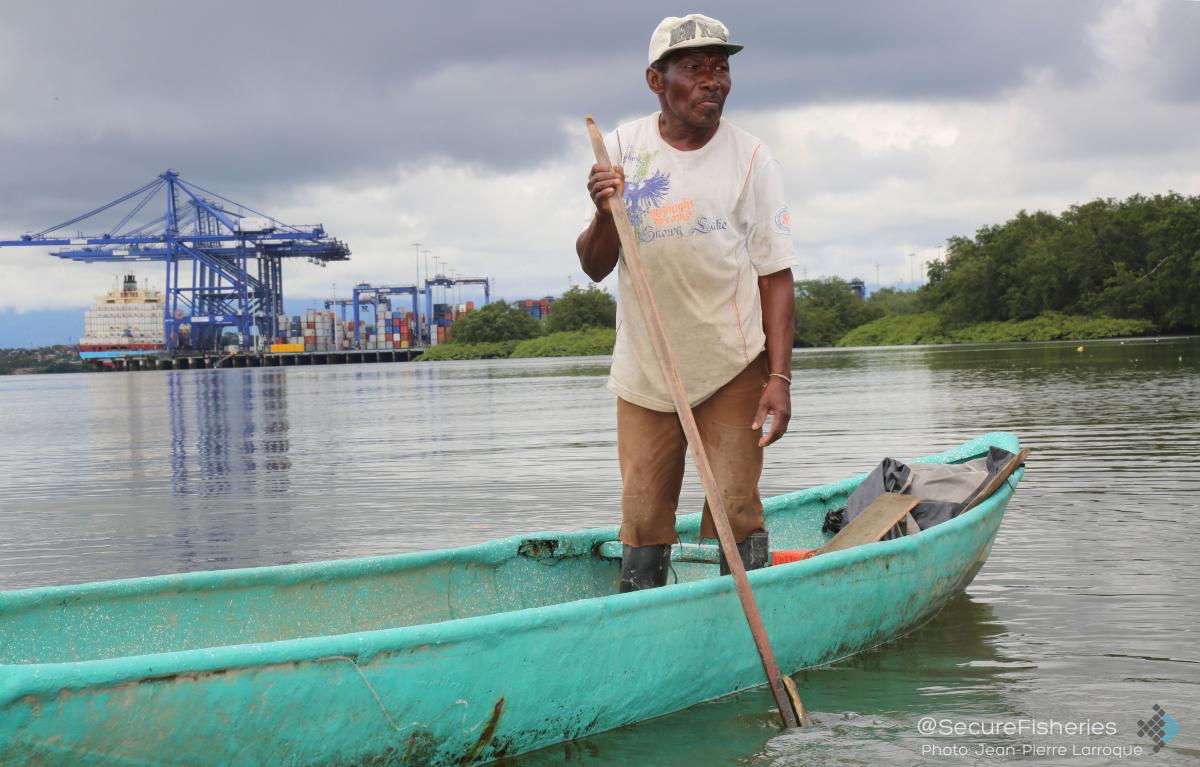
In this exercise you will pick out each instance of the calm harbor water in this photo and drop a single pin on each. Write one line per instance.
(1087, 609)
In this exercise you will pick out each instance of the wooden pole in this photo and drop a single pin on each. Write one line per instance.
(792, 716)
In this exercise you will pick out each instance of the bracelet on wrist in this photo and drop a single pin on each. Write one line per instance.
(781, 375)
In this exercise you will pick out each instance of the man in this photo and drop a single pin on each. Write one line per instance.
(706, 201)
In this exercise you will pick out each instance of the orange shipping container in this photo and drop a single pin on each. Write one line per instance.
(288, 348)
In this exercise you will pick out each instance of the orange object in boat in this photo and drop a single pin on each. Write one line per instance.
(790, 555)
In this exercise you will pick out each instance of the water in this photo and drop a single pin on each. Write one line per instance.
(1087, 609)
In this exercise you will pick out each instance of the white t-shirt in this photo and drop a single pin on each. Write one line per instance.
(709, 223)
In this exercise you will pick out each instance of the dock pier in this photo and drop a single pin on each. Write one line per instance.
(206, 360)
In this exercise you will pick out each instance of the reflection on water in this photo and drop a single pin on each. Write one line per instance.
(228, 441)
(240, 429)
(1087, 606)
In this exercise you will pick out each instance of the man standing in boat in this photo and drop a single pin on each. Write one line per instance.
(707, 205)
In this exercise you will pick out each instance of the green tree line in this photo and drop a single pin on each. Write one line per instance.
(581, 323)
(577, 309)
(1137, 258)
(1103, 268)
(46, 359)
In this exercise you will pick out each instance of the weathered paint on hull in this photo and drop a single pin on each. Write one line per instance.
(464, 689)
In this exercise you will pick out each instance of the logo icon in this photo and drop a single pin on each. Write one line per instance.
(1159, 728)
(783, 221)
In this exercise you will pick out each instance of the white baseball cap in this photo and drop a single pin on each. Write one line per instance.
(692, 31)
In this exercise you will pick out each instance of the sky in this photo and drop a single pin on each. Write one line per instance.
(459, 125)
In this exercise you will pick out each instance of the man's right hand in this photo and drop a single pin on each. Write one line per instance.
(598, 246)
(603, 182)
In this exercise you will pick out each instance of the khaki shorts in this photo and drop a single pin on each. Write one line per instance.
(651, 446)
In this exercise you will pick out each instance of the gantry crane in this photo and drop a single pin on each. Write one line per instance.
(449, 282)
(236, 255)
(341, 303)
(377, 294)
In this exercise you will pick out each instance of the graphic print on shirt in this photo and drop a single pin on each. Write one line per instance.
(653, 216)
(642, 194)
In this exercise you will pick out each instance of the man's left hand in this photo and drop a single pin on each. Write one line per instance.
(776, 401)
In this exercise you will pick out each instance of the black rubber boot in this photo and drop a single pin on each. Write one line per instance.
(755, 552)
(644, 567)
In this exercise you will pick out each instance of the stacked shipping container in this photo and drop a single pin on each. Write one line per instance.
(537, 307)
(392, 330)
(321, 331)
(444, 316)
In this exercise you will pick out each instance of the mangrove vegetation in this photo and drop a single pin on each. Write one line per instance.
(1103, 269)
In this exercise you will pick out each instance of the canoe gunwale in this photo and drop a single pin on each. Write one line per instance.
(288, 574)
(38, 679)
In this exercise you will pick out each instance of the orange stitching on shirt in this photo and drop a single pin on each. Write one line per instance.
(746, 181)
(738, 314)
(736, 311)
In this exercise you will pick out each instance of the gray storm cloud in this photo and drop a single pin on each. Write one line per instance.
(456, 125)
(254, 95)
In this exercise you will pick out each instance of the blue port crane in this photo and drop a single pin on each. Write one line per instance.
(235, 253)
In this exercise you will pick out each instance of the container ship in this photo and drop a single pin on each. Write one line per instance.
(125, 321)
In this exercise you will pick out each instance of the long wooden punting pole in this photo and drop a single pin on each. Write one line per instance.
(790, 707)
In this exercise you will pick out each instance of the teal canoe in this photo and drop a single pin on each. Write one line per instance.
(449, 657)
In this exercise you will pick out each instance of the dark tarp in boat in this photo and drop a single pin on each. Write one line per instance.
(944, 489)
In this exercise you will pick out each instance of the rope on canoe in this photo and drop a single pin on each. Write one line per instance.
(367, 682)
